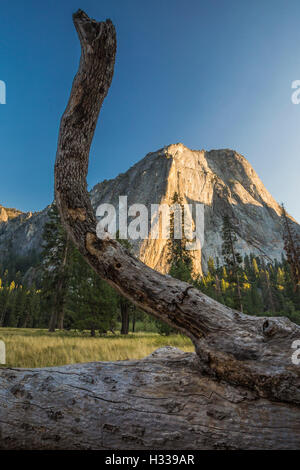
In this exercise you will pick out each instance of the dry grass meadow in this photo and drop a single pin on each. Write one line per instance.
(39, 348)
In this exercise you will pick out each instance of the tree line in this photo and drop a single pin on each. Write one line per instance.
(68, 294)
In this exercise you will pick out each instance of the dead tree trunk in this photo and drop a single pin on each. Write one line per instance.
(240, 390)
(160, 402)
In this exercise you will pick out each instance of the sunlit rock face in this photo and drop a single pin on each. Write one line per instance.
(222, 180)
(8, 214)
(3, 215)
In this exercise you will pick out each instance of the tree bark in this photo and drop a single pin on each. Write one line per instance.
(133, 319)
(53, 319)
(124, 308)
(160, 402)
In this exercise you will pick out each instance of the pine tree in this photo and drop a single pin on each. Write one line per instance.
(55, 275)
(20, 306)
(91, 300)
(292, 248)
(269, 303)
(232, 259)
(125, 305)
(180, 258)
(4, 298)
(211, 266)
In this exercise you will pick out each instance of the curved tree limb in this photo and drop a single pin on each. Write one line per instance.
(247, 351)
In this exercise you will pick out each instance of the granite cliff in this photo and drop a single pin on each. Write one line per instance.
(222, 180)
(21, 234)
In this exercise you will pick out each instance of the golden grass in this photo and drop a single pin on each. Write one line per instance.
(39, 348)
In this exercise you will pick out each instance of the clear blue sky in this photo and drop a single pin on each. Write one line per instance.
(210, 74)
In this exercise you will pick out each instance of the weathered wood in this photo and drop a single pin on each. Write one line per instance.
(160, 402)
(241, 349)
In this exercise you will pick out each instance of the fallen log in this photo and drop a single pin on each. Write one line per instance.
(160, 402)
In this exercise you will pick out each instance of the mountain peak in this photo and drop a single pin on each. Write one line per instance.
(223, 181)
